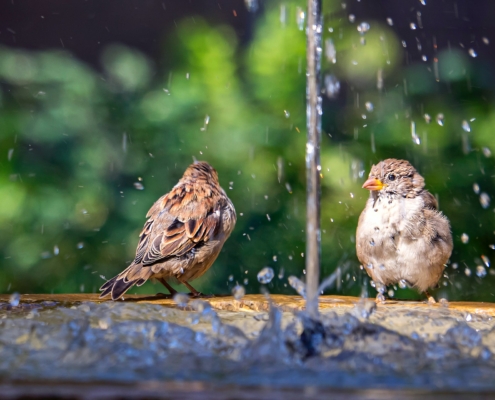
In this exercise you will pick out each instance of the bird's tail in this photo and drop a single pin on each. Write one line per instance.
(135, 274)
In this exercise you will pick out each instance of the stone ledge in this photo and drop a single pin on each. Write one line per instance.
(258, 302)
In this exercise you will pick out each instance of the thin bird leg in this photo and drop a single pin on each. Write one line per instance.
(169, 288)
(431, 299)
(194, 292)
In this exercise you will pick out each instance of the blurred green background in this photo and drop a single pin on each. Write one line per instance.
(86, 149)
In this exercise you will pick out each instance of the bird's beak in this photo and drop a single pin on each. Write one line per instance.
(373, 184)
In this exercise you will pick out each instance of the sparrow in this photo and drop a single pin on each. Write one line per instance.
(401, 236)
(184, 233)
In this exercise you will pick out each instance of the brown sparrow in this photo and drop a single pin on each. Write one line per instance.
(401, 236)
(183, 236)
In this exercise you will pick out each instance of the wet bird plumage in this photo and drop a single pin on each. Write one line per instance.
(401, 235)
(184, 233)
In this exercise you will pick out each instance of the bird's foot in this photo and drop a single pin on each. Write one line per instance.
(431, 299)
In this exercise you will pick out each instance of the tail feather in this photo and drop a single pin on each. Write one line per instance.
(135, 274)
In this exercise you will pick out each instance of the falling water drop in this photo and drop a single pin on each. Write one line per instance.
(486, 152)
(251, 5)
(485, 40)
(56, 250)
(352, 18)
(238, 292)
(300, 17)
(414, 136)
(286, 114)
(297, 285)
(476, 188)
(440, 119)
(402, 284)
(465, 126)
(80, 245)
(363, 27)
(332, 86)
(390, 21)
(265, 275)
(369, 106)
(492, 246)
(486, 260)
(465, 238)
(412, 25)
(473, 53)
(480, 271)
(138, 186)
(9, 154)
(330, 51)
(484, 200)
(427, 118)
(423, 2)
(467, 271)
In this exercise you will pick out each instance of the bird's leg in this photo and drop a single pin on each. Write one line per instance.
(169, 288)
(431, 299)
(194, 292)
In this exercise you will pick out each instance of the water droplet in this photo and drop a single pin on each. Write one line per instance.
(465, 126)
(427, 118)
(265, 275)
(330, 51)
(372, 284)
(80, 245)
(455, 266)
(238, 292)
(288, 187)
(473, 53)
(440, 119)
(476, 188)
(369, 106)
(412, 25)
(181, 299)
(9, 154)
(352, 18)
(363, 27)
(286, 113)
(486, 152)
(468, 317)
(251, 5)
(480, 271)
(205, 123)
(484, 200)
(404, 44)
(486, 260)
(402, 284)
(231, 278)
(467, 272)
(423, 2)
(414, 136)
(390, 21)
(56, 250)
(14, 299)
(465, 238)
(485, 40)
(332, 86)
(297, 285)
(491, 246)
(424, 57)
(245, 281)
(300, 17)
(281, 273)
(138, 186)
(390, 293)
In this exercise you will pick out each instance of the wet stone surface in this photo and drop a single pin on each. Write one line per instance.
(221, 340)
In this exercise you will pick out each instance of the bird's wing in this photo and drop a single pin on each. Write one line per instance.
(178, 222)
(429, 200)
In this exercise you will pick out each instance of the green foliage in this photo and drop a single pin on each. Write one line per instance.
(77, 144)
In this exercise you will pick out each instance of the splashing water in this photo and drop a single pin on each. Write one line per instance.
(298, 285)
(238, 291)
(465, 238)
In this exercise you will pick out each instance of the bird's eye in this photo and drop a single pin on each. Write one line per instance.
(391, 177)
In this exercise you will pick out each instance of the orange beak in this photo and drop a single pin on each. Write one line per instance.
(373, 184)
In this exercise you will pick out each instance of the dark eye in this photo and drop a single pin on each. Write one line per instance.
(391, 177)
